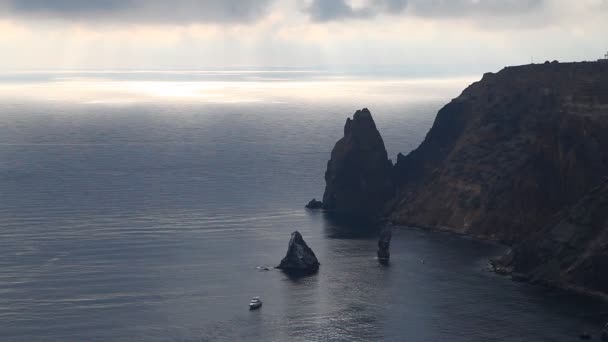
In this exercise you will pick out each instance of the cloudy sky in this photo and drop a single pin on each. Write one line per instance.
(433, 34)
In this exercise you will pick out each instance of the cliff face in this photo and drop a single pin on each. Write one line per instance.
(358, 177)
(510, 152)
(517, 157)
(572, 252)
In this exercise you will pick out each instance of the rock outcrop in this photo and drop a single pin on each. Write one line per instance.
(500, 162)
(570, 253)
(509, 153)
(314, 204)
(518, 157)
(300, 259)
(384, 244)
(358, 177)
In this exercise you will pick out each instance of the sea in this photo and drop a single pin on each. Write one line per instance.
(143, 205)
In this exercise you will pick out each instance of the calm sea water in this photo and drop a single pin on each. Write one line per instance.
(137, 206)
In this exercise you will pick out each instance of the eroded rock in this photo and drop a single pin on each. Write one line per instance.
(384, 244)
(300, 258)
(314, 204)
(358, 177)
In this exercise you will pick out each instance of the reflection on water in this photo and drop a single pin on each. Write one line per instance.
(220, 87)
(338, 226)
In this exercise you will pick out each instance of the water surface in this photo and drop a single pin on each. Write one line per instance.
(137, 206)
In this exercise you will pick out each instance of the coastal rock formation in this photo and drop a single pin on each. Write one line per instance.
(314, 204)
(300, 259)
(570, 253)
(358, 177)
(509, 153)
(518, 157)
(384, 244)
(501, 162)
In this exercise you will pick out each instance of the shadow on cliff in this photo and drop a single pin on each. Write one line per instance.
(341, 226)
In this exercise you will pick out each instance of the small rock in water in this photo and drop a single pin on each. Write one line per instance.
(300, 259)
(384, 244)
(314, 204)
(585, 336)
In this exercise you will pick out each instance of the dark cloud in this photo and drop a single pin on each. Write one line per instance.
(459, 8)
(328, 10)
(391, 6)
(136, 11)
(65, 7)
(244, 11)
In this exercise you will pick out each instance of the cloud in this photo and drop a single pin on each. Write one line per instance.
(139, 11)
(329, 10)
(459, 8)
(391, 6)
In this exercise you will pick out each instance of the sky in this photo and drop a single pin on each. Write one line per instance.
(434, 35)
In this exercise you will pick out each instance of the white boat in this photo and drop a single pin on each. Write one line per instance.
(255, 303)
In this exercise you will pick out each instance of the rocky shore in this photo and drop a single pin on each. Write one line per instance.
(519, 157)
(570, 253)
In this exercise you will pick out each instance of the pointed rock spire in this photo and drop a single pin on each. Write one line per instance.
(358, 177)
(300, 259)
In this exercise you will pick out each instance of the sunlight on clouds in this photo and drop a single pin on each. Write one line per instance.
(10, 30)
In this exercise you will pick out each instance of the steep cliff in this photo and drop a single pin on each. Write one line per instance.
(570, 253)
(517, 157)
(511, 151)
(358, 177)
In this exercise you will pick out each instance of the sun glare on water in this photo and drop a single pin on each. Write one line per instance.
(95, 89)
(166, 89)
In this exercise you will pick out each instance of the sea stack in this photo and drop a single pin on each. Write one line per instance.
(300, 259)
(314, 204)
(384, 244)
(358, 176)
(519, 157)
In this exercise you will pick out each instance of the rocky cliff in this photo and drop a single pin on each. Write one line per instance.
(516, 157)
(571, 252)
(358, 177)
(507, 154)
